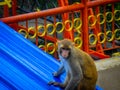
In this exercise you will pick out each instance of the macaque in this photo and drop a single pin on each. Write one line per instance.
(80, 69)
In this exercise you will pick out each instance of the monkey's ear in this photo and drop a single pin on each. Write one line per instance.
(73, 43)
(57, 43)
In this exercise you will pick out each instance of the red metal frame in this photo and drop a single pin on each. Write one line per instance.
(85, 8)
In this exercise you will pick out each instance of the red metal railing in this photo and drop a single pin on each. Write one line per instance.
(84, 23)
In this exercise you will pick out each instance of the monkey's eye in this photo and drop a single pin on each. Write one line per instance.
(65, 48)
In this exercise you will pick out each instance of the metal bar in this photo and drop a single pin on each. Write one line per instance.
(14, 7)
(100, 2)
(113, 25)
(85, 27)
(44, 13)
(6, 11)
(105, 24)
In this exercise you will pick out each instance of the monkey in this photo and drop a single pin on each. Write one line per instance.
(80, 69)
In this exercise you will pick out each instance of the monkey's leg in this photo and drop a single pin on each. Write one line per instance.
(72, 83)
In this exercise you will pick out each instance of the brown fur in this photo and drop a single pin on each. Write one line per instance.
(89, 73)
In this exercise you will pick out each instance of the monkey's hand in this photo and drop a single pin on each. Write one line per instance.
(53, 83)
(55, 74)
(56, 84)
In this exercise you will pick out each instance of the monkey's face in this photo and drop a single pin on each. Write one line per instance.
(64, 48)
(65, 52)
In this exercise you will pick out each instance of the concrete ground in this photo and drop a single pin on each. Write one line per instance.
(109, 73)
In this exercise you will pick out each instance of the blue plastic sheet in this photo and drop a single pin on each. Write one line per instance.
(22, 64)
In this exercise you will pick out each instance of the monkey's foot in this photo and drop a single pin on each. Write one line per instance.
(54, 83)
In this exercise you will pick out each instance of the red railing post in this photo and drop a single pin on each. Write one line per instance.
(6, 11)
(14, 7)
(65, 16)
(85, 26)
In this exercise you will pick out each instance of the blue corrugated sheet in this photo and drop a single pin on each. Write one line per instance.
(22, 64)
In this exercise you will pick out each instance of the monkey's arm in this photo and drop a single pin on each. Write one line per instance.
(60, 71)
(73, 82)
(76, 76)
(62, 85)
